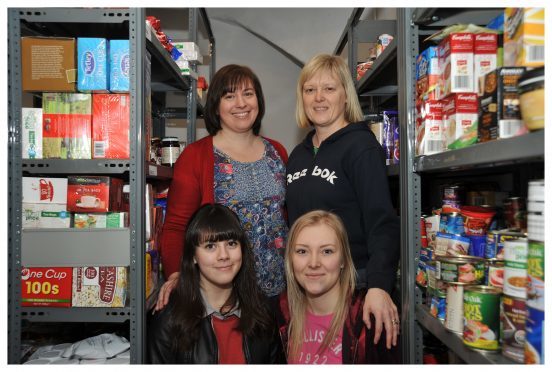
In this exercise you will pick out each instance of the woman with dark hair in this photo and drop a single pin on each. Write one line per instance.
(236, 167)
(217, 314)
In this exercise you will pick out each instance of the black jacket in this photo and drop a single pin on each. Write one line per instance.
(257, 350)
(348, 176)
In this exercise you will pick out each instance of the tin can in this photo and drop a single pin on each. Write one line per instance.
(431, 275)
(426, 254)
(494, 273)
(440, 288)
(454, 192)
(496, 239)
(466, 269)
(451, 245)
(515, 213)
(534, 336)
(478, 244)
(423, 232)
(451, 223)
(515, 268)
(454, 318)
(451, 206)
(438, 307)
(535, 275)
(512, 327)
(482, 320)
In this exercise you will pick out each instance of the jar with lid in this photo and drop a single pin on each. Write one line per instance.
(531, 98)
(170, 150)
(155, 150)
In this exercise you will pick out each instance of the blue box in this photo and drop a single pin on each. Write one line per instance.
(92, 73)
(119, 66)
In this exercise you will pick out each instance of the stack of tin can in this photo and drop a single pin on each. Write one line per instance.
(534, 345)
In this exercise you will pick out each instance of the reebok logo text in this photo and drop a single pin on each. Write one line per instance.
(317, 172)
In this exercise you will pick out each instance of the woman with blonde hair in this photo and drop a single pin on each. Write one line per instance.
(340, 167)
(320, 315)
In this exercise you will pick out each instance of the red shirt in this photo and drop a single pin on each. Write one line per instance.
(229, 340)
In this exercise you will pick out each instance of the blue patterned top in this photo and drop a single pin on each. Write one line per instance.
(255, 192)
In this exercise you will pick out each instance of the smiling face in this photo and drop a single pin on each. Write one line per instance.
(316, 259)
(239, 109)
(218, 263)
(324, 100)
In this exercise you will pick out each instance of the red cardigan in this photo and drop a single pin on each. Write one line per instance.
(191, 187)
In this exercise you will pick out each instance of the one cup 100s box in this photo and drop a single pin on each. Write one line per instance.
(46, 286)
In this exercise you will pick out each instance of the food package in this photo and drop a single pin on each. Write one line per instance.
(44, 190)
(110, 220)
(429, 128)
(190, 51)
(94, 194)
(48, 64)
(46, 286)
(31, 119)
(119, 66)
(39, 216)
(97, 347)
(67, 125)
(460, 115)
(456, 64)
(484, 57)
(427, 73)
(93, 70)
(524, 37)
(110, 126)
(100, 286)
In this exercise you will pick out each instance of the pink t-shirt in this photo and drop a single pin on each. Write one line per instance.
(315, 329)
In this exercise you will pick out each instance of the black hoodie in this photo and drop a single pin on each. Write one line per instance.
(348, 177)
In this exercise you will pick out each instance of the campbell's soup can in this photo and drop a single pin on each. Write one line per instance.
(534, 336)
(494, 273)
(535, 275)
(454, 312)
(515, 268)
(481, 317)
(512, 327)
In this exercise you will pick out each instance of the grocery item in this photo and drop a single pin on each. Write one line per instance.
(93, 69)
(454, 318)
(482, 320)
(119, 66)
(494, 272)
(451, 223)
(512, 327)
(383, 41)
(430, 135)
(496, 239)
(41, 216)
(524, 37)
(170, 150)
(427, 73)
(470, 270)
(535, 275)
(531, 98)
(515, 213)
(110, 126)
(484, 58)
(110, 220)
(104, 286)
(438, 307)
(478, 243)
(94, 194)
(534, 336)
(456, 64)
(44, 190)
(477, 219)
(31, 137)
(515, 268)
(451, 244)
(46, 286)
(460, 120)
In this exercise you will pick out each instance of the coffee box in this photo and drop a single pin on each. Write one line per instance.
(31, 119)
(484, 57)
(94, 194)
(119, 66)
(110, 126)
(524, 37)
(100, 286)
(93, 70)
(44, 190)
(460, 115)
(46, 286)
(456, 64)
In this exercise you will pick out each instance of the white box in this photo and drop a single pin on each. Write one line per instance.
(110, 220)
(45, 216)
(44, 190)
(100, 286)
(31, 118)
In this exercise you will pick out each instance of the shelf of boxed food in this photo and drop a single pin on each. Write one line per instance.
(383, 72)
(73, 314)
(76, 166)
(454, 341)
(520, 149)
(75, 247)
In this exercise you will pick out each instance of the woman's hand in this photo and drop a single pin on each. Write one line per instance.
(379, 303)
(165, 291)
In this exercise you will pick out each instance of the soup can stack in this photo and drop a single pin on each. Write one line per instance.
(534, 345)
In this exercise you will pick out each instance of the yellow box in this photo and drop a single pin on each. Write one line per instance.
(524, 37)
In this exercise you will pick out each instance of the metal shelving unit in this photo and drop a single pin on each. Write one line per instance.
(112, 247)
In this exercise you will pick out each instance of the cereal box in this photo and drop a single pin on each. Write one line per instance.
(110, 126)
(110, 220)
(66, 125)
(524, 37)
(456, 64)
(45, 216)
(484, 57)
(119, 66)
(44, 190)
(100, 286)
(31, 118)
(94, 194)
(460, 117)
(427, 73)
(92, 64)
(46, 286)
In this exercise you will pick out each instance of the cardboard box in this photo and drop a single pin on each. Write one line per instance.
(500, 115)
(429, 128)
(456, 64)
(119, 66)
(48, 64)
(110, 220)
(44, 190)
(93, 70)
(31, 118)
(460, 117)
(67, 125)
(524, 37)
(427, 73)
(485, 57)
(94, 194)
(110, 126)
(100, 286)
(46, 216)
(46, 286)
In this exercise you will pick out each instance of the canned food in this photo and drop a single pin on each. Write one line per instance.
(512, 327)
(451, 245)
(440, 288)
(426, 254)
(438, 307)
(451, 223)
(481, 314)
(515, 213)
(534, 336)
(478, 244)
(495, 242)
(494, 273)
(454, 192)
(451, 206)
(515, 268)
(535, 275)
(465, 269)
(431, 274)
(454, 319)
(477, 219)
